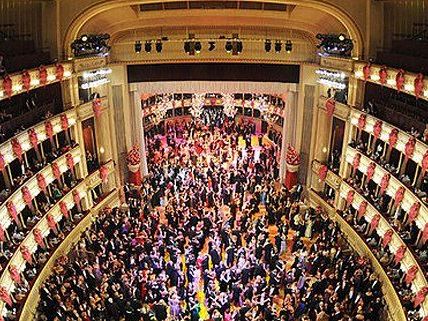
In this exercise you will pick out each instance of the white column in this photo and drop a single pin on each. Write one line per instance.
(288, 130)
(137, 126)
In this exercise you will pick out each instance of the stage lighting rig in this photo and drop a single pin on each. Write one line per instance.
(337, 45)
(138, 46)
(268, 45)
(288, 46)
(91, 45)
(278, 46)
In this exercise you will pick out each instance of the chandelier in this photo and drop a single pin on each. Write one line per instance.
(164, 103)
(229, 105)
(198, 103)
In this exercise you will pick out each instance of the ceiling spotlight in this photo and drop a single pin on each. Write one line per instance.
(341, 37)
(138, 46)
(159, 46)
(278, 46)
(288, 46)
(228, 47)
(211, 45)
(148, 46)
(198, 47)
(268, 45)
(84, 38)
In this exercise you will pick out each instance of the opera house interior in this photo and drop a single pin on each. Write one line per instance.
(213, 160)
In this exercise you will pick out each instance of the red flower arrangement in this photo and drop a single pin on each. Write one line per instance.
(374, 222)
(7, 85)
(370, 171)
(377, 128)
(419, 85)
(38, 237)
(410, 147)
(26, 80)
(399, 80)
(63, 208)
(400, 254)
(13, 213)
(414, 211)
(387, 237)
(26, 254)
(41, 182)
(76, 198)
(17, 149)
(330, 106)
(59, 72)
(420, 296)
(362, 209)
(350, 197)
(393, 138)
(424, 162)
(104, 173)
(26, 195)
(51, 222)
(322, 172)
(367, 71)
(64, 122)
(56, 171)
(383, 75)
(43, 75)
(70, 161)
(356, 161)
(14, 274)
(32, 135)
(96, 107)
(399, 195)
(384, 183)
(49, 129)
(2, 162)
(362, 121)
(134, 157)
(292, 157)
(411, 274)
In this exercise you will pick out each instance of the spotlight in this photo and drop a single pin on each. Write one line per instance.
(159, 46)
(228, 46)
(278, 46)
(342, 37)
(148, 46)
(138, 46)
(84, 38)
(288, 46)
(268, 45)
(211, 45)
(198, 46)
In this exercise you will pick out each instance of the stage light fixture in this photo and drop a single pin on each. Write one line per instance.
(288, 46)
(159, 46)
(198, 47)
(187, 47)
(148, 46)
(211, 45)
(342, 37)
(137, 46)
(228, 47)
(84, 38)
(268, 45)
(278, 46)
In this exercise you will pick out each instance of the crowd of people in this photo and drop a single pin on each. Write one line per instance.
(213, 237)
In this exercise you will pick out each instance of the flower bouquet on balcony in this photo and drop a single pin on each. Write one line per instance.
(293, 159)
(133, 159)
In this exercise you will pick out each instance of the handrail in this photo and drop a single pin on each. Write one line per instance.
(33, 296)
(409, 87)
(420, 148)
(32, 184)
(357, 243)
(409, 197)
(420, 280)
(22, 137)
(17, 259)
(35, 76)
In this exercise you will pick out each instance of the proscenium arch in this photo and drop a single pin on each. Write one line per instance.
(343, 17)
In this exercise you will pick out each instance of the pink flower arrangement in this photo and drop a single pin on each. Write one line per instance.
(293, 157)
(134, 157)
